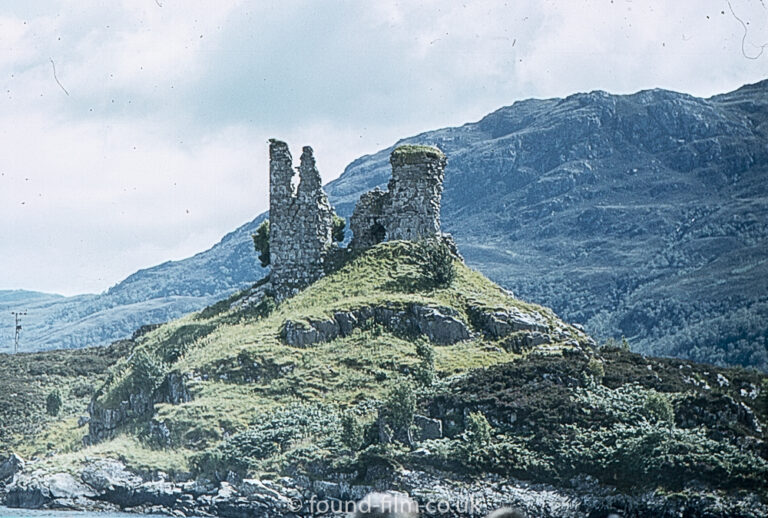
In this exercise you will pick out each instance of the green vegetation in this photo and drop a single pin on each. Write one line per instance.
(425, 373)
(351, 431)
(261, 243)
(26, 381)
(53, 402)
(544, 413)
(399, 408)
(476, 441)
(405, 151)
(339, 224)
(438, 267)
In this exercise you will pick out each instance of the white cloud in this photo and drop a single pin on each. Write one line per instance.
(159, 148)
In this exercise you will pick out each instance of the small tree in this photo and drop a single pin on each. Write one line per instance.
(351, 431)
(261, 243)
(400, 407)
(53, 402)
(596, 369)
(437, 268)
(477, 438)
(425, 372)
(339, 224)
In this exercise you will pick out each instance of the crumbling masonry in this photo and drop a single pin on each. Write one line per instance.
(301, 220)
(410, 208)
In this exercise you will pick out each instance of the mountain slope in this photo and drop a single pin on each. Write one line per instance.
(641, 215)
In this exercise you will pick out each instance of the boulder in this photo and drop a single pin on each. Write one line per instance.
(501, 323)
(427, 428)
(65, 486)
(28, 492)
(10, 466)
(109, 476)
(440, 325)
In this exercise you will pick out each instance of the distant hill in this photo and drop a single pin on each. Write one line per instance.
(640, 215)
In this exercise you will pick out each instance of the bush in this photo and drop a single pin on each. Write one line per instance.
(83, 389)
(339, 224)
(476, 439)
(147, 373)
(399, 408)
(306, 430)
(53, 402)
(437, 268)
(425, 372)
(351, 432)
(596, 369)
(261, 243)
(659, 408)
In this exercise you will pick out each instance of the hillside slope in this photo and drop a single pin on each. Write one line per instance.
(640, 215)
(383, 376)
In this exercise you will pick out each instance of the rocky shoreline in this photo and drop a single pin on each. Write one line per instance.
(107, 485)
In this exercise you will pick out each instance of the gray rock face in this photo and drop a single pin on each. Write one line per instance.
(10, 466)
(427, 428)
(300, 221)
(104, 421)
(64, 485)
(37, 490)
(440, 325)
(499, 324)
(410, 208)
(109, 476)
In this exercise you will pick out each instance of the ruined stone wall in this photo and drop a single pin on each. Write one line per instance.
(300, 221)
(410, 209)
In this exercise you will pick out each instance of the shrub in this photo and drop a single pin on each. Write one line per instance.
(53, 402)
(425, 372)
(437, 268)
(476, 439)
(659, 408)
(261, 243)
(147, 373)
(351, 432)
(399, 408)
(339, 224)
(272, 434)
(83, 389)
(596, 369)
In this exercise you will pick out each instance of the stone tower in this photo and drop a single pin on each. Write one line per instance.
(410, 208)
(300, 221)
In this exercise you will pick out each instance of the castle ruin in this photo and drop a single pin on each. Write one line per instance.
(410, 207)
(301, 219)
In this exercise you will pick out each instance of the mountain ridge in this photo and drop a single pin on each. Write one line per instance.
(601, 206)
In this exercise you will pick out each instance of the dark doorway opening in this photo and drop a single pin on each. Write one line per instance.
(378, 233)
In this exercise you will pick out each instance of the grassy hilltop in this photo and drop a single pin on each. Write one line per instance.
(546, 405)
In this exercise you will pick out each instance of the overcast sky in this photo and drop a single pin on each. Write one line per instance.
(136, 132)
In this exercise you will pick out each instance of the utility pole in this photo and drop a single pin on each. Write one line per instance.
(17, 315)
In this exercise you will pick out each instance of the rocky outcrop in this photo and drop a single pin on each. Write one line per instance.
(440, 325)
(10, 466)
(105, 420)
(500, 323)
(59, 490)
(106, 484)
